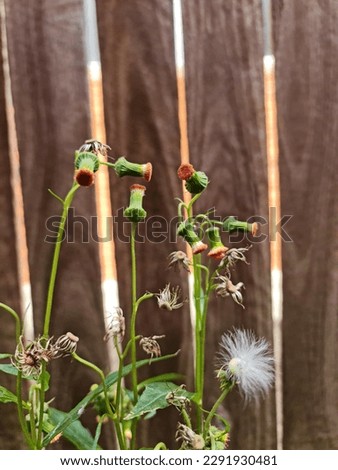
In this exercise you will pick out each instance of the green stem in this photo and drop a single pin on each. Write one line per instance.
(160, 446)
(214, 409)
(22, 420)
(186, 417)
(119, 411)
(66, 204)
(17, 321)
(42, 404)
(110, 412)
(133, 329)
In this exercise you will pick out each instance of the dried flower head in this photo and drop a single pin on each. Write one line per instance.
(233, 255)
(178, 398)
(95, 146)
(151, 346)
(177, 259)
(116, 325)
(84, 177)
(28, 359)
(247, 361)
(188, 438)
(135, 211)
(226, 288)
(65, 345)
(169, 300)
(195, 181)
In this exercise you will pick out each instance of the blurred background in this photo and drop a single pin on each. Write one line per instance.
(245, 89)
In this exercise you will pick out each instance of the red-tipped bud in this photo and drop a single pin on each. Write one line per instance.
(185, 171)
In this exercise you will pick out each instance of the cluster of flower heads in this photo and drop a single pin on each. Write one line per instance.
(29, 358)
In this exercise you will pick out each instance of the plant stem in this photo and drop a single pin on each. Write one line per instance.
(110, 412)
(133, 328)
(213, 411)
(22, 421)
(186, 417)
(66, 204)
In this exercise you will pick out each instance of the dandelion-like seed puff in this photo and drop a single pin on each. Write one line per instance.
(247, 361)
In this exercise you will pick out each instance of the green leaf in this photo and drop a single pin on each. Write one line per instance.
(9, 369)
(154, 398)
(6, 396)
(169, 377)
(110, 380)
(5, 356)
(75, 433)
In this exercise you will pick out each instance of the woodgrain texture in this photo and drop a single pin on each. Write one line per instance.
(48, 69)
(307, 47)
(9, 431)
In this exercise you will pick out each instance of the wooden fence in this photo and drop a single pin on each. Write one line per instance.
(227, 139)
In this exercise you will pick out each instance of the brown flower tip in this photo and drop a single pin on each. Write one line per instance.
(147, 171)
(139, 187)
(218, 252)
(198, 247)
(185, 171)
(254, 228)
(84, 177)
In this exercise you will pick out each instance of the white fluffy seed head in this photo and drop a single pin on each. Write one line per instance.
(246, 360)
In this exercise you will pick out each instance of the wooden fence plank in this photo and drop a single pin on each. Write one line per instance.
(226, 122)
(227, 139)
(136, 41)
(9, 431)
(48, 72)
(307, 91)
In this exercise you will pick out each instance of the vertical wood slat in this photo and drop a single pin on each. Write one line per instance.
(307, 47)
(48, 69)
(139, 84)
(9, 285)
(224, 48)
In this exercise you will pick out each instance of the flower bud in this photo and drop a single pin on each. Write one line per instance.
(195, 181)
(86, 164)
(124, 168)
(135, 211)
(186, 231)
(217, 249)
(231, 224)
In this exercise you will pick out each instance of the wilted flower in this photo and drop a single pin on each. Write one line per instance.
(65, 345)
(124, 168)
(151, 346)
(195, 181)
(178, 398)
(169, 300)
(226, 288)
(27, 359)
(186, 230)
(86, 165)
(135, 211)
(179, 258)
(231, 224)
(246, 361)
(94, 146)
(116, 326)
(188, 438)
(217, 249)
(233, 255)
